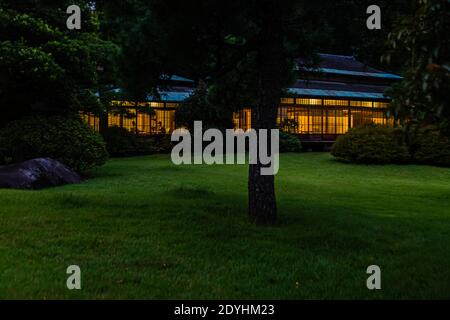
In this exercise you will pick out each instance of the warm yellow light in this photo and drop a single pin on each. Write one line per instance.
(380, 105)
(365, 104)
(310, 102)
(335, 102)
(287, 100)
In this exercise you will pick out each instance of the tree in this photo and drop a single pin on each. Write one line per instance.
(344, 28)
(217, 41)
(209, 40)
(201, 106)
(44, 67)
(422, 40)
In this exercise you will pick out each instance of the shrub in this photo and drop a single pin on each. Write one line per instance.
(372, 144)
(162, 143)
(429, 146)
(289, 143)
(123, 143)
(66, 139)
(119, 141)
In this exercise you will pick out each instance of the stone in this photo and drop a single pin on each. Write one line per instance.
(37, 174)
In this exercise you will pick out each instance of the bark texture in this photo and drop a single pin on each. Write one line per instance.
(272, 72)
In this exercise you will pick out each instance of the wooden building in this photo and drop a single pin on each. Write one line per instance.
(325, 102)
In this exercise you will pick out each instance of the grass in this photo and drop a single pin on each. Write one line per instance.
(144, 228)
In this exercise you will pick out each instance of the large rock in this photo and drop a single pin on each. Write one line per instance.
(37, 174)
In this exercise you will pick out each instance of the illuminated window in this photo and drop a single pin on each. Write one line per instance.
(330, 121)
(172, 105)
(380, 105)
(129, 120)
(287, 100)
(310, 102)
(361, 117)
(366, 104)
(293, 119)
(341, 121)
(91, 119)
(243, 119)
(335, 102)
(113, 119)
(157, 104)
(144, 120)
(120, 103)
(379, 117)
(131, 104)
(315, 121)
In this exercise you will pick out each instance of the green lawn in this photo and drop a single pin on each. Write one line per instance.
(144, 228)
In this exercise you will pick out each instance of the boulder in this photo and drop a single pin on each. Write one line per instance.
(37, 174)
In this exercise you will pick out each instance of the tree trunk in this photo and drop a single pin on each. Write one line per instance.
(272, 72)
(261, 189)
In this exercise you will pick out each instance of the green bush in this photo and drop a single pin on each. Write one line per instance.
(372, 144)
(289, 143)
(123, 143)
(119, 141)
(429, 146)
(67, 139)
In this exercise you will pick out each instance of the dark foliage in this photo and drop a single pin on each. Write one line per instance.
(430, 146)
(289, 143)
(372, 144)
(46, 69)
(422, 42)
(201, 107)
(66, 139)
(123, 143)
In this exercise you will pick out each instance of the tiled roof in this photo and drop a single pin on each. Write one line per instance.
(336, 94)
(339, 86)
(338, 89)
(329, 64)
(173, 94)
(348, 65)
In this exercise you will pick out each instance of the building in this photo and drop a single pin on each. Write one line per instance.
(339, 94)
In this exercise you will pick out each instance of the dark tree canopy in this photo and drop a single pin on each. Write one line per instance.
(422, 41)
(44, 67)
(343, 25)
(244, 51)
(216, 42)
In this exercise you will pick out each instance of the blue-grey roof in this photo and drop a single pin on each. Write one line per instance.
(361, 74)
(173, 96)
(178, 95)
(336, 93)
(178, 78)
(346, 65)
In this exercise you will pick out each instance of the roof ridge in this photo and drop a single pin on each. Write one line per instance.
(337, 55)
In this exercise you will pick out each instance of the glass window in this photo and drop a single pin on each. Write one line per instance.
(366, 104)
(113, 119)
(287, 100)
(243, 119)
(315, 121)
(380, 105)
(335, 102)
(172, 105)
(157, 104)
(91, 119)
(379, 117)
(310, 102)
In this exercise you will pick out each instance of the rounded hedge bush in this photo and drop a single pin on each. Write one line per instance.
(289, 143)
(123, 143)
(372, 143)
(66, 139)
(429, 146)
(119, 141)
